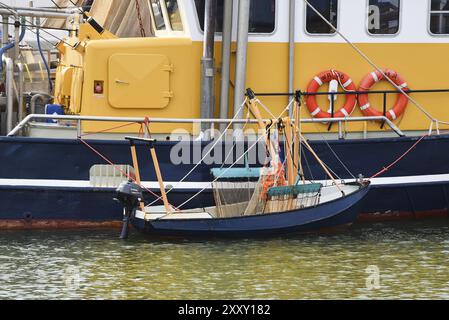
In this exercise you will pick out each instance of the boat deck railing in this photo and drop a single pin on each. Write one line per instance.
(80, 119)
(333, 94)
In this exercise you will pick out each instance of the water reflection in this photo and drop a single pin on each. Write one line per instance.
(412, 260)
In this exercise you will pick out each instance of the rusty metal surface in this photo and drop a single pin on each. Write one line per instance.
(57, 224)
(402, 215)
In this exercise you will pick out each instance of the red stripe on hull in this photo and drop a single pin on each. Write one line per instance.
(57, 225)
(114, 224)
(402, 215)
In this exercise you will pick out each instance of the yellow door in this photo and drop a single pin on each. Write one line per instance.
(139, 81)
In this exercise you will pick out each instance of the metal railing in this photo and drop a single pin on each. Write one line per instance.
(332, 95)
(80, 119)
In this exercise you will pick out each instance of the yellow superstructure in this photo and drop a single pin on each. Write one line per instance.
(160, 76)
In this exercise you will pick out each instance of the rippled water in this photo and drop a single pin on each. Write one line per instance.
(412, 259)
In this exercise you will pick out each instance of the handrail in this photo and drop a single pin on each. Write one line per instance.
(142, 120)
(370, 92)
(35, 13)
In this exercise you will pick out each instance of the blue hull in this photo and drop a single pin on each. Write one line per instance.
(327, 216)
(25, 204)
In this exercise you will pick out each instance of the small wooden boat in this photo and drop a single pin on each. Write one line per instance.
(326, 216)
(251, 202)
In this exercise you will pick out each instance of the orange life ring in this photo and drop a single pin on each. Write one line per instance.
(366, 85)
(325, 77)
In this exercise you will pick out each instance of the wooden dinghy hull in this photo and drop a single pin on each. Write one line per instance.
(335, 214)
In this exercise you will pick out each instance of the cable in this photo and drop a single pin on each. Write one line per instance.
(5, 6)
(36, 26)
(360, 52)
(50, 83)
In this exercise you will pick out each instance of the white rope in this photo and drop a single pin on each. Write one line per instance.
(207, 153)
(240, 158)
(266, 109)
(375, 66)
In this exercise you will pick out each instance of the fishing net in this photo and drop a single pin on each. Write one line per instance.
(287, 198)
(233, 197)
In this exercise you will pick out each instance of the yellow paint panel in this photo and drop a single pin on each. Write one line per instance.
(66, 85)
(77, 88)
(139, 81)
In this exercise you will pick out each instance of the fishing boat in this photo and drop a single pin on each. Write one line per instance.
(324, 216)
(125, 64)
(279, 202)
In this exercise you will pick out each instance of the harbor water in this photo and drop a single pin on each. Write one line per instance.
(407, 260)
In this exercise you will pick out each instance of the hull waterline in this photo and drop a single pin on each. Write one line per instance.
(327, 216)
(47, 180)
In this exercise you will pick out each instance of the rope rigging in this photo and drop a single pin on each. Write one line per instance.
(235, 162)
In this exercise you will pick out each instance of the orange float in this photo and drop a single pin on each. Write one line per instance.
(325, 77)
(369, 81)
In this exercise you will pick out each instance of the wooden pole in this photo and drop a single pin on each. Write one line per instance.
(159, 179)
(256, 112)
(136, 169)
(291, 176)
(297, 150)
(321, 163)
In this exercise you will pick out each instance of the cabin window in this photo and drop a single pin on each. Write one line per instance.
(383, 17)
(174, 15)
(262, 17)
(158, 15)
(439, 16)
(314, 23)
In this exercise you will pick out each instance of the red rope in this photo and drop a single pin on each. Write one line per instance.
(141, 130)
(385, 169)
(118, 168)
(110, 129)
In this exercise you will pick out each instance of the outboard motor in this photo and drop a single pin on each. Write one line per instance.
(129, 194)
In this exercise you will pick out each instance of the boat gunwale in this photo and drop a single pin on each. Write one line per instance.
(364, 188)
(74, 141)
